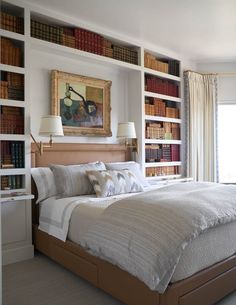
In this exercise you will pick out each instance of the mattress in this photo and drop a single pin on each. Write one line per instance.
(209, 248)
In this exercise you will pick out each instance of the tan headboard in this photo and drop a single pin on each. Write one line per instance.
(68, 153)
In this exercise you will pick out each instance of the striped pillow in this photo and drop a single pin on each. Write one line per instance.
(72, 180)
(113, 182)
(45, 182)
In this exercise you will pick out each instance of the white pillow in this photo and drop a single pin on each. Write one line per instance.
(72, 180)
(130, 165)
(45, 182)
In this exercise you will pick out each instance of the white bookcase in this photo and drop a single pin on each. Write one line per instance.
(15, 140)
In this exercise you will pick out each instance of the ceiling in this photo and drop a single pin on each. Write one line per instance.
(201, 30)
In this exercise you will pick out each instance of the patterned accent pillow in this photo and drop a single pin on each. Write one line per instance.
(72, 180)
(112, 182)
(45, 182)
(132, 166)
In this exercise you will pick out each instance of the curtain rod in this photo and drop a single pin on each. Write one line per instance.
(216, 73)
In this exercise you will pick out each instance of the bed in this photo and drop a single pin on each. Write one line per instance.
(204, 287)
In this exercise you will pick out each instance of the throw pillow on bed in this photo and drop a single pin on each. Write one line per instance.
(130, 165)
(72, 180)
(113, 182)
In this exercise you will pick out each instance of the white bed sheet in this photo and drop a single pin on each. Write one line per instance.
(209, 248)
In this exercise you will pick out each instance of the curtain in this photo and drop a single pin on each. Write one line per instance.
(201, 128)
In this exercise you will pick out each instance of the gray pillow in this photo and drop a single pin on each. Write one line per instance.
(45, 182)
(132, 166)
(112, 182)
(72, 180)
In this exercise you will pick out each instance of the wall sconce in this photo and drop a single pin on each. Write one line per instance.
(127, 130)
(50, 125)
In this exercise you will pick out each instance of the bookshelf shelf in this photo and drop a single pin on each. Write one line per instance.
(162, 74)
(163, 97)
(162, 119)
(161, 164)
(13, 171)
(166, 177)
(157, 141)
(14, 103)
(12, 137)
(13, 69)
(12, 35)
(77, 54)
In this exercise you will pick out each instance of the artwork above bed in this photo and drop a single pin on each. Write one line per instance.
(83, 104)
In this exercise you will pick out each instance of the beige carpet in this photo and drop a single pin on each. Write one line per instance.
(40, 281)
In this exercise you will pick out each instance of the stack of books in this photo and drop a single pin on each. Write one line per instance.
(3, 89)
(108, 48)
(125, 54)
(12, 154)
(174, 67)
(175, 130)
(12, 23)
(46, 32)
(172, 112)
(15, 86)
(12, 182)
(68, 37)
(166, 153)
(10, 54)
(162, 171)
(89, 41)
(175, 152)
(151, 62)
(154, 131)
(153, 153)
(161, 86)
(12, 120)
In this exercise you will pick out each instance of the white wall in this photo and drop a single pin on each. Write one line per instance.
(41, 64)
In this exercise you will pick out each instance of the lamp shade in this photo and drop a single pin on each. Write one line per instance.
(126, 130)
(51, 125)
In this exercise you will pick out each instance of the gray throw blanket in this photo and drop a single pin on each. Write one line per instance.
(146, 234)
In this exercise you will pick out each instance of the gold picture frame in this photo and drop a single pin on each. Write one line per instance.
(83, 104)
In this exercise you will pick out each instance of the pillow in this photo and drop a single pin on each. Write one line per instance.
(45, 182)
(72, 180)
(132, 166)
(112, 182)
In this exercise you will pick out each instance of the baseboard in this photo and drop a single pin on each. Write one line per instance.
(10, 256)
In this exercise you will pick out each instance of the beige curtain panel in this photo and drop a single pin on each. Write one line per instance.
(201, 99)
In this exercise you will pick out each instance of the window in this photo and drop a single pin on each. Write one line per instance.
(227, 142)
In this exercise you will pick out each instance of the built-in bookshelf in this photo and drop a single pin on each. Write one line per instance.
(14, 135)
(162, 116)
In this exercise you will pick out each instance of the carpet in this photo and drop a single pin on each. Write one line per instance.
(40, 281)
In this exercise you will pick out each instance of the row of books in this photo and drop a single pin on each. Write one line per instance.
(10, 54)
(12, 86)
(11, 120)
(12, 154)
(12, 23)
(83, 40)
(162, 130)
(12, 182)
(161, 86)
(162, 153)
(158, 107)
(169, 66)
(162, 171)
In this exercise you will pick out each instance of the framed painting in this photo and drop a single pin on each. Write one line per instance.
(83, 104)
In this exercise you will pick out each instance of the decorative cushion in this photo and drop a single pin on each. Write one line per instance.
(112, 182)
(72, 180)
(45, 182)
(132, 166)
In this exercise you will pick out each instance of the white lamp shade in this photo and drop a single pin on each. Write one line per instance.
(126, 130)
(51, 125)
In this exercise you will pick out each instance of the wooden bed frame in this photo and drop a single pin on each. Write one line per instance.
(205, 287)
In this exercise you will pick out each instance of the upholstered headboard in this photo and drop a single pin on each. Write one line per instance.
(68, 153)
